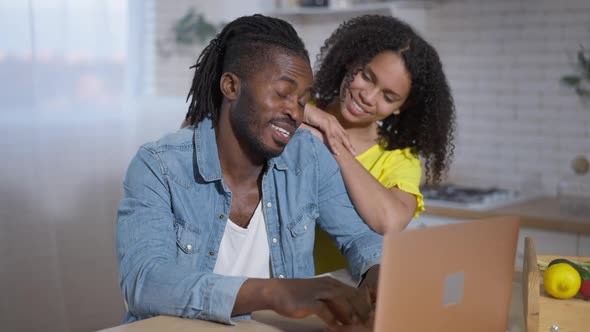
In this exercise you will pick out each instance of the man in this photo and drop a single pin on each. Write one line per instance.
(218, 219)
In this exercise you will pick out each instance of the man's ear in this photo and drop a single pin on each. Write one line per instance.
(229, 84)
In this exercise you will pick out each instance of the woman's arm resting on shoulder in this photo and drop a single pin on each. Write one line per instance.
(383, 209)
(333, 135)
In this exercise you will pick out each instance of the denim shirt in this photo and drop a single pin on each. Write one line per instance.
(176, 205)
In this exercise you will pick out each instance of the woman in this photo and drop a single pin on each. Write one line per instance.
(382, 103)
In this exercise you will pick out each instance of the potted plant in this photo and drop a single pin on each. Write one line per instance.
(192, 29)
(580, 82)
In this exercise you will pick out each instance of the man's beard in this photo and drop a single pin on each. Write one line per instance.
(243, 119)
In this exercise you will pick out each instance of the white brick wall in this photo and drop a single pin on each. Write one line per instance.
(172, 73)
(171, 76)
(504, 59)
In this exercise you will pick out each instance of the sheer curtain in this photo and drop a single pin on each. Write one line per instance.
(67, 133)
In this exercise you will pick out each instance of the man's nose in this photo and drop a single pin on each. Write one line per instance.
(293, 110)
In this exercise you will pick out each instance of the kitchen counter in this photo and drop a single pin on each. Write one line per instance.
(544, 213)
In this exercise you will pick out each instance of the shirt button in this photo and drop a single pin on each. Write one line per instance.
(211, 253)
(268, 204)
(189, 247)
(305, 227)
(221, 216)
(274, 240)
(281, 276)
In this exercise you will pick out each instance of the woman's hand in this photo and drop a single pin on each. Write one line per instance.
(333, 133)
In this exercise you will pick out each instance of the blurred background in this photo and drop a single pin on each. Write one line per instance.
(84, 82)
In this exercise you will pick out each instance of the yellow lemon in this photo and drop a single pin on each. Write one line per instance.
(562, 281)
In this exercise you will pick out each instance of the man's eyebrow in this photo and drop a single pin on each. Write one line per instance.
(288, 79)
(292, 81)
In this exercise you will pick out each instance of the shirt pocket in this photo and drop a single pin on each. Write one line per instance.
(303, 225)
(187, 241)
(302, 230)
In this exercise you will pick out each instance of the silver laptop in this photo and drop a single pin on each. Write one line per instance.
(451, 278)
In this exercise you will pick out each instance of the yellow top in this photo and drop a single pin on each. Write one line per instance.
(395, 168)
(392, 168)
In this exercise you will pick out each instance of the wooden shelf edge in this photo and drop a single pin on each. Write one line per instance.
(352, 9)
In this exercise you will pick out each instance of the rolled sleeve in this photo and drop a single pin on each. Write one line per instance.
(365, 254)
(152, 281)
(220, 298)
(360, 245)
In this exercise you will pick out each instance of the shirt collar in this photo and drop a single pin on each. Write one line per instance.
(206, 158)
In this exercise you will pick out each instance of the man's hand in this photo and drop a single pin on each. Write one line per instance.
(365, 327)
(371, 282)
(332, 301)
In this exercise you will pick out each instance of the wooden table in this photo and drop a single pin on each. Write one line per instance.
(268, 321)
(263, 321)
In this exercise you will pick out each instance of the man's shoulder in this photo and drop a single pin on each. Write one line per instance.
(181, 140)
(173, 153)
(304, 148)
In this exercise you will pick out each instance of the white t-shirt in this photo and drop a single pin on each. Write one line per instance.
(244, 251)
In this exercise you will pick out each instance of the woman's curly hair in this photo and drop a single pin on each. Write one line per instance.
(426, 123)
